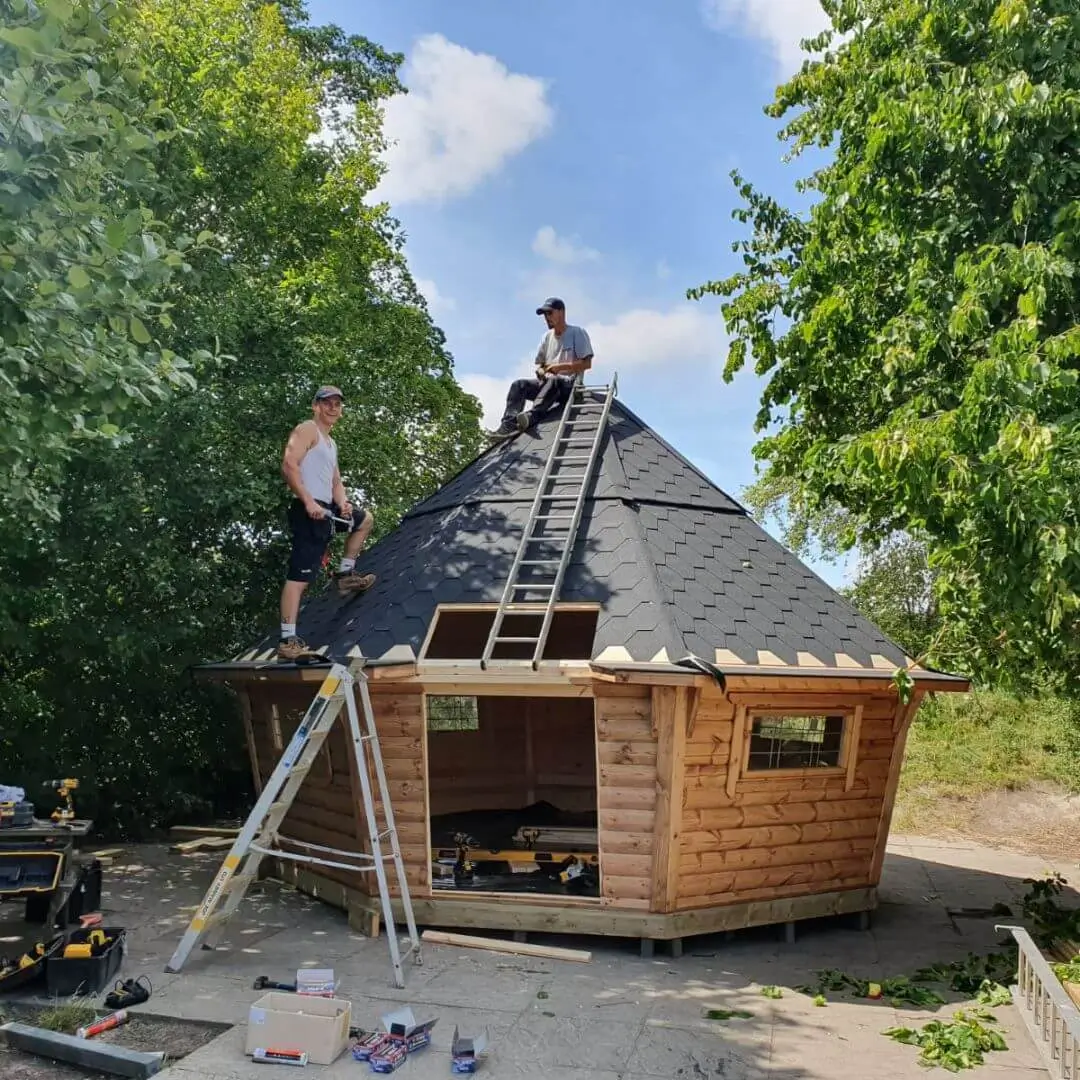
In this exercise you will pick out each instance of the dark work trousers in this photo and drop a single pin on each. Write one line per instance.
(545, 394)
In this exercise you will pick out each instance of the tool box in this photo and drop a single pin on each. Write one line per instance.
(19, 971)
(67, 974)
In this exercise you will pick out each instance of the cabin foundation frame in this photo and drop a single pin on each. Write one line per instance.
(684, 851)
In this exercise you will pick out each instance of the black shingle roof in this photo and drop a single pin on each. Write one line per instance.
(675, 565)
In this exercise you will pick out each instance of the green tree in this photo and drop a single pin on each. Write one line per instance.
(83, 258)
(919, 324)
(174, 549)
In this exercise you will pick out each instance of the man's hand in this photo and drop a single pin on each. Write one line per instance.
(346, 510)
(314, 510)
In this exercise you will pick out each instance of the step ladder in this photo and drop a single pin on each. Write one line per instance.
(257, 838)
(547, 543)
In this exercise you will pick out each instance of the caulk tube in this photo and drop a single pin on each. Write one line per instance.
(113, 1020)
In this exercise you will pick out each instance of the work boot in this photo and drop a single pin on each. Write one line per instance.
(293, 648)
(500, 434)
(349, 581)
(523, 419)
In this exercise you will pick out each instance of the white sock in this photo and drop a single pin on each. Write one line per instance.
(346, 565)
(288, 630)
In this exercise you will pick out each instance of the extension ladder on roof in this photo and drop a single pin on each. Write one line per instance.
(260, 832)
(548, 540)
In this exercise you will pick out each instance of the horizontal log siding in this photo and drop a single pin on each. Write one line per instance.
(328, 808)
(781, 837)
(626, 799)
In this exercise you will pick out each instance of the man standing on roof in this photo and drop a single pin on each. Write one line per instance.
(310, 468)
(565, 351)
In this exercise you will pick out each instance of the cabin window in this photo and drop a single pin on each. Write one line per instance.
(452, 712)
(795, 742)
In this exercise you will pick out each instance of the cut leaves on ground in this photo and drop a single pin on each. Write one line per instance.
(961, 1043)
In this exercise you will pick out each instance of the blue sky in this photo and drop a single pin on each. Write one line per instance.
(584, 151)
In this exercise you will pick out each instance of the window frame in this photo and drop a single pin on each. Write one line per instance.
(428, 697)
(739, 773)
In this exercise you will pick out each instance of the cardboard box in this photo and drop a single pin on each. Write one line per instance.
(466, 1051)
(403, 1034)
(316, 1025)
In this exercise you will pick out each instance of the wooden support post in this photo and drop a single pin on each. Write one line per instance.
(249, 738)
(647, 948)
(904, 716)
(789, 932)
(862, 920)
(670, 708)
(521, 936)
(738, 748)
(676, 947)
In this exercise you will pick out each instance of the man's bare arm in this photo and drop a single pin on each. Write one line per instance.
(303, 438)
(340, 495)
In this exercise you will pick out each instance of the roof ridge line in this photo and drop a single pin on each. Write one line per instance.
(671, 450)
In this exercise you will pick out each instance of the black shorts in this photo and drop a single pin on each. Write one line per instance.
(311, 538)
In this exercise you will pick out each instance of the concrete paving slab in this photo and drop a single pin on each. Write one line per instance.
(619, 1017)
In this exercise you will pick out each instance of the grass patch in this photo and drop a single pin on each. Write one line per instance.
(965, 745)
(66, 1018)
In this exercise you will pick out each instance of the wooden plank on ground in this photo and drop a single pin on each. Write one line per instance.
(519, 948)
(203, 830)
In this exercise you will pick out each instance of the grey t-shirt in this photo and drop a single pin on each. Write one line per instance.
(573, 344)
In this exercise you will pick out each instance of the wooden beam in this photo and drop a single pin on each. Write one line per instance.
(905, 716)
(519, 948)
(854, 729)
(670, 707)
(694, 696)
(249, 738)
(738, 749)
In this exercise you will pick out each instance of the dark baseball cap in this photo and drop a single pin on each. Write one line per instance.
(325, 392)
(552, 303)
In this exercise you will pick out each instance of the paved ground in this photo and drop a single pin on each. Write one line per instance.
(619, 1016)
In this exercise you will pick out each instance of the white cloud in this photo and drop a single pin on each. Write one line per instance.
(491, 390)
(646, 338)
(663, 271)
(464, 117)
(780, 23)
(436, 302)
(548, 244)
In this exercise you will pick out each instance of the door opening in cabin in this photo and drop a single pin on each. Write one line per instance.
(513, 795)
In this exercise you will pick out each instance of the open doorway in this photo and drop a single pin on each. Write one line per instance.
(512, 795)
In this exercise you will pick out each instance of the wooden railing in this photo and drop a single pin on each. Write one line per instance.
(1048, 1012)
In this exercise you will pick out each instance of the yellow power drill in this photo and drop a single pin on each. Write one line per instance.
(64, 788)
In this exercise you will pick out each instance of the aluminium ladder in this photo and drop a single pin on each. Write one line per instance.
(256, 839)
(581, 427)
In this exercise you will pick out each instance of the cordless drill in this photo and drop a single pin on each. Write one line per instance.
(63, 788)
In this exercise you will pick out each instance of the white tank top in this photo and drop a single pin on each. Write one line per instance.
(317, 469)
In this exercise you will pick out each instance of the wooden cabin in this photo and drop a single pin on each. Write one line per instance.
(712, 739)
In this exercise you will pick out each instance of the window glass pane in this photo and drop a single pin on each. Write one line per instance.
(795, 742)
(452, 713)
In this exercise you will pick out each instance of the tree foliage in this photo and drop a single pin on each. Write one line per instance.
(83, 257)
(171, 548)
(919, 326)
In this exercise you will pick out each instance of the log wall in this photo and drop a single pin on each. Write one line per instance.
(783, 836)
(626, 755)
(328, 808)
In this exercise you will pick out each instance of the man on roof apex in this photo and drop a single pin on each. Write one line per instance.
(310, 468)
(565, 351)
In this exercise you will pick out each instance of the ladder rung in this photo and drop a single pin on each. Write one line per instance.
(572, 457)
(531, 585)
(554, 517)
(516, 640)
(540, 562)
(522, 608)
